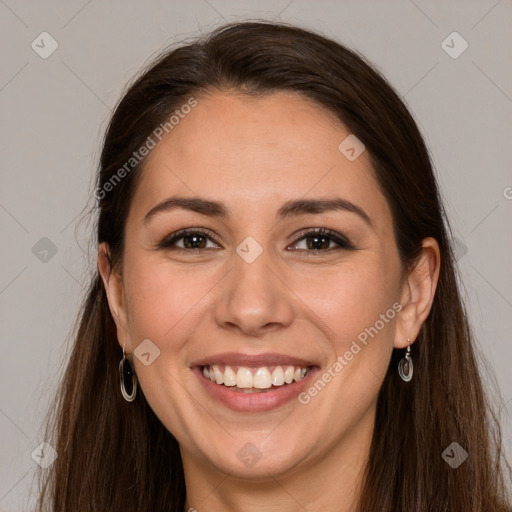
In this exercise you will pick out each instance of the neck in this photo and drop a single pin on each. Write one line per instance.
(330, 481)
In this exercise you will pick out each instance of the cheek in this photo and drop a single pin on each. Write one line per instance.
(358, 304)
(353, 297)
(163, 303)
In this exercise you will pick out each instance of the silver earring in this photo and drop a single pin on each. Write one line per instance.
(405, 366)
(128, 379)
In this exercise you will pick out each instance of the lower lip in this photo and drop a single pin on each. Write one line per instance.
(254, 402)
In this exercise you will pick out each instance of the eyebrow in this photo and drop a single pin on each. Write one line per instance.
(292, 208)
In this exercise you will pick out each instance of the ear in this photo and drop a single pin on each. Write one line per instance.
(417, 293)
(114, 289)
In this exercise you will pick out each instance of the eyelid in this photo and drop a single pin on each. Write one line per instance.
(166, 242)
(342, 241)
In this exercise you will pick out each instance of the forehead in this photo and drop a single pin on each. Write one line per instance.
(258, 152)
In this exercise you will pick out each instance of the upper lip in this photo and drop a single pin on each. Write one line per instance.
(254, 360)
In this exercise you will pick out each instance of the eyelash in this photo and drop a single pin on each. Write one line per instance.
(170, 241)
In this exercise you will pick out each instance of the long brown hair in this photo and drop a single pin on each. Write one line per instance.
(117, 456)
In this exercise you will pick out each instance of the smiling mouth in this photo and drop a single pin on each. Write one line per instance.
(244, 379)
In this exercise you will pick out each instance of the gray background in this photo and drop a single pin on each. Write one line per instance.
(54, 112)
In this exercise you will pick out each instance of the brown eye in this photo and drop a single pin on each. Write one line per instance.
(192, 239)
(323, 240)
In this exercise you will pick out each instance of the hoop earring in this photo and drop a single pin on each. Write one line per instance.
(405, 366)
(128, 379)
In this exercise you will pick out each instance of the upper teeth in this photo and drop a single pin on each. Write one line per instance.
(263, 378)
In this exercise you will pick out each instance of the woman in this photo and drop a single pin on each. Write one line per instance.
(275, 323)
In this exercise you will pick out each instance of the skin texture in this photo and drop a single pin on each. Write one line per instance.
(254, 154)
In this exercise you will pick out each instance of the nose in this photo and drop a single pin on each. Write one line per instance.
(254, 298)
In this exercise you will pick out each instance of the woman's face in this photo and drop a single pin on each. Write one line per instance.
(253, 291)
